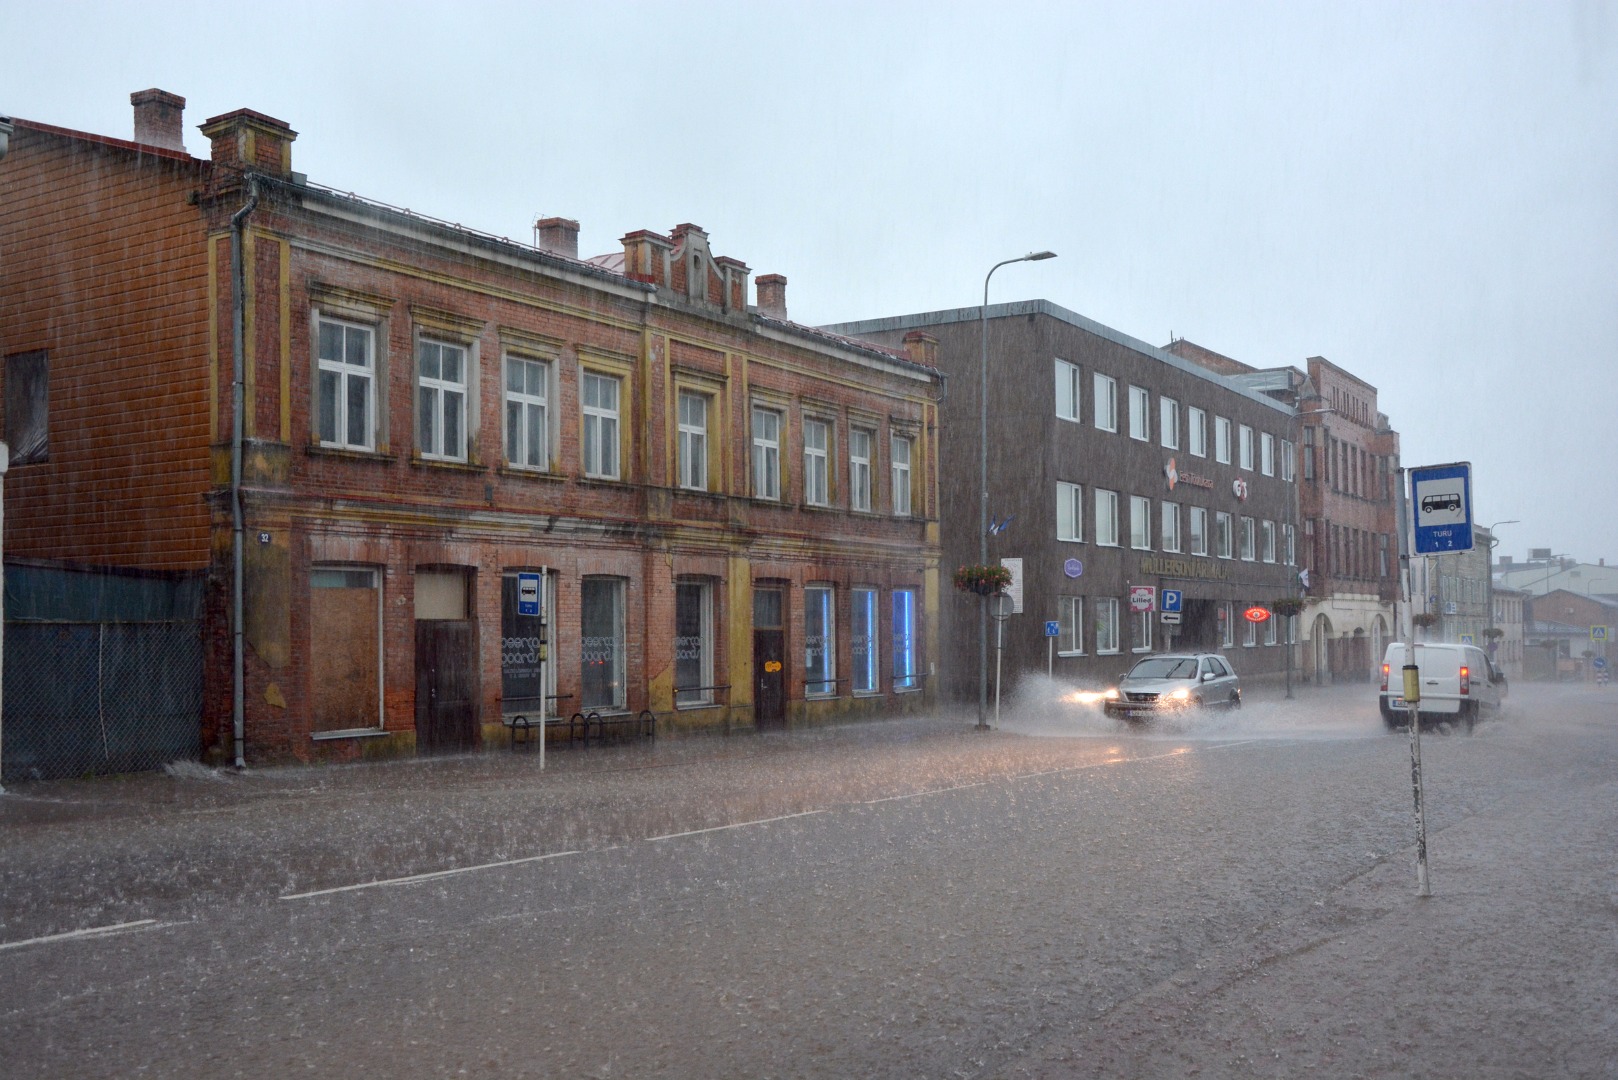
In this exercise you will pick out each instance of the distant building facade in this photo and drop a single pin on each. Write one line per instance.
(1509, 619)
(1348, 461)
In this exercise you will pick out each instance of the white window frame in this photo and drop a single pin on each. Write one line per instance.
(1227, 636)
(1266, 453)
(1168, 422)
(1106, 626)
(907, 646)
(1169, 528)
(767, 424)
(1270, 634)
(1199, 536)
(1142, 636)
(1068, 398)
(1197, 431)
(1140, 523)
(1224, 535)
(825, 603)
(1222, 440)
(704, 643)
(817, 440)
(1266, 548)
(861, 441)
(1248, 540)
(1070, 620)
(1250, 633)
(527, 408)
(865, 605)
(1069, 512)
(600, 452)
(1244, 447)
(1289, 462)
(1105, 403)
(900, 449)
(1289, 537)
(345, 374)
(439, 399)
(1140, 414)
(1106, 504)
(692, 450)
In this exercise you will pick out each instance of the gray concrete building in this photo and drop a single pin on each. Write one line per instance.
(1111, 464)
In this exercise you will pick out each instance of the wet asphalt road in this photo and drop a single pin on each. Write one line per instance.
(908, 899)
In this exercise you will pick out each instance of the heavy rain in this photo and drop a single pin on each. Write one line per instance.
(1141, 607)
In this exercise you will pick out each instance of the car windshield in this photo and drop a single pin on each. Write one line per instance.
(1165, 667)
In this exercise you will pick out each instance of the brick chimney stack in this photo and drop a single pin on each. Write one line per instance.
(557, 235)
(772, 296)
(922, 348)
(245, 139)
(159, 117)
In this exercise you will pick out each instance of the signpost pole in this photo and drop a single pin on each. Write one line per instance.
(1412, 694)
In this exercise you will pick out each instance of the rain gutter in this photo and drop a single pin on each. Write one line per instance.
(238, 367)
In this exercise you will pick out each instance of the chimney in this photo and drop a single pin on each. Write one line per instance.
(249, 140)
(557, 235)
(646, 257)
(158, 118)
(772, 296)
(922, 348)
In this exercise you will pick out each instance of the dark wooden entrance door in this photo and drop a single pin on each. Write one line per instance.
(769, 659)
(446, 686)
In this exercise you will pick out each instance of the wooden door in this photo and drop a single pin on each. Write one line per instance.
(769, 658)
(446, 686)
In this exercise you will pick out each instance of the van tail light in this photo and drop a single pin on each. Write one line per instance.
(1384, 678)
(1466, 679)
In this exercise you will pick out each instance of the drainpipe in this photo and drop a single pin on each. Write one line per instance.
(238, 368)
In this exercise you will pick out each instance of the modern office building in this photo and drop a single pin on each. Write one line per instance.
(1112, 465)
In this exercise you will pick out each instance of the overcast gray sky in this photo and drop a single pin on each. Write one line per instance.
(1425, 194)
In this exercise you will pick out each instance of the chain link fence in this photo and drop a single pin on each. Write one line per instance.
(100, 697)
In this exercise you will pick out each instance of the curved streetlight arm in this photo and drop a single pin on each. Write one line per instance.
(983, 475)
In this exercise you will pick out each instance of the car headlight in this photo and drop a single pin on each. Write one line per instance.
(1182, 694)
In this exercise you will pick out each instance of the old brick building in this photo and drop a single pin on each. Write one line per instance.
(476, 477)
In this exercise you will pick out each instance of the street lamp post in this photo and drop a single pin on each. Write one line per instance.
(983, 475)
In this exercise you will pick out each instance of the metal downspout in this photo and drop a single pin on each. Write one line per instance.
(238, 366)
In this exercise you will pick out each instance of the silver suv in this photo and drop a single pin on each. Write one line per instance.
(1168, 682)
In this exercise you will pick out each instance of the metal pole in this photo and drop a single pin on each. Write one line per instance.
(1412, 693)
(999, 641)
(983, 477)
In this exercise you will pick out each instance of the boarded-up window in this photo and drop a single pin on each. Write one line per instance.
(28, 406)
(345, 685)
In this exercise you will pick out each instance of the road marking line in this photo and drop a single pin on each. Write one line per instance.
(736, 825)
(92, 932)
(413, 878)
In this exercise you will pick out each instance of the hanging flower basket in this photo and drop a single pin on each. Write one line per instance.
(1287, 606)
(983, 580)
(1424, 620)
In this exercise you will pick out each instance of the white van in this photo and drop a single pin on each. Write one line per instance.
(1458, 684)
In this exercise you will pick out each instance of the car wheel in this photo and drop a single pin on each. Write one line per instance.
(1236, 700)
(1393, 720)
(1469, 717)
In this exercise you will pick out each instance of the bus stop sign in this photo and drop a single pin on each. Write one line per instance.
(1441, 508)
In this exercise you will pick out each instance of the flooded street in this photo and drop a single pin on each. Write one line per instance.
(1059, 897)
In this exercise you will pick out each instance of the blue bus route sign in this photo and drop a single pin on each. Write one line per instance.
(1441, 508)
